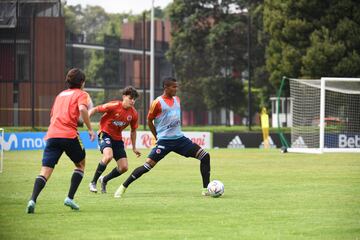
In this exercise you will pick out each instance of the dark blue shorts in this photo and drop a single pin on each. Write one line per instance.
(56, 146)
(105, 140)
(181, 146)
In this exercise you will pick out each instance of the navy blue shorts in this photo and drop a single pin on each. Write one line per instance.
(105, 140)
(56, 146)
(181, 146)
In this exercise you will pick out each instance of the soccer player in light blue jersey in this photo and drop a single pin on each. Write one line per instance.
(164, 120)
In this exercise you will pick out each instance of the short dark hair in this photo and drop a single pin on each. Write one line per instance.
(167, 81)
(75, 78)
(130, 91)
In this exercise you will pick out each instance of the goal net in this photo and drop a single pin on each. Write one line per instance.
(326, 115)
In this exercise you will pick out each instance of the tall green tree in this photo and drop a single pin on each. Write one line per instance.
(312, 38)
(210, 54)
(190, 27)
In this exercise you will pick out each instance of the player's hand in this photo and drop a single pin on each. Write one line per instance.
(137, 153)
(92, 135)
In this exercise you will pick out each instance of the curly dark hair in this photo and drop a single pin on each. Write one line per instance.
(130, 91)
(75, 78)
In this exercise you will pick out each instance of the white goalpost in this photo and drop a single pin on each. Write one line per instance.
(326, 115)
(2, 131)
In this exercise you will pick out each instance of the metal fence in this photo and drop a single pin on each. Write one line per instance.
(32, 60)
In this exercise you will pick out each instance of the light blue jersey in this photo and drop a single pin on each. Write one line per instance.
(168, 123)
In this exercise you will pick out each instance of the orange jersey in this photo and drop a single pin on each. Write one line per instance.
(65, 113)
(116, 118)
(155, 108)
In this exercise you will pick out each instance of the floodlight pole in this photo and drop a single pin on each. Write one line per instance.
(152, 53)
(143, 67)
(249, 68)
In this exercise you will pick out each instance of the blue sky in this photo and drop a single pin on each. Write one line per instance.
(121, 6)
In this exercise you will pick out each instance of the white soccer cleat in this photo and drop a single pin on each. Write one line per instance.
(120, 191)
(205, 192)
(92, 187)
(103, 184)
(30, 207)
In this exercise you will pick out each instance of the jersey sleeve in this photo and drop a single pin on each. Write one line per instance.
(84, 99)
(107, 107)
(155, 109)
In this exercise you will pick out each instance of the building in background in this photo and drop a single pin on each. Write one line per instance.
(36, 50)
(122, 61)
(32, 60)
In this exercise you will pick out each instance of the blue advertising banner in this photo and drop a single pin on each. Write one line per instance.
(144, 140)
(35, 141)
(342, 140)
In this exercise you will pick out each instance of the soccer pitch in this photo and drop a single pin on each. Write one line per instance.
(268, 195)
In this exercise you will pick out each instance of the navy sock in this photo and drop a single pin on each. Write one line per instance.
(113, 174)
(138, 172)
(99, 170)
(75, 182)
(39, 184)
(205, 168)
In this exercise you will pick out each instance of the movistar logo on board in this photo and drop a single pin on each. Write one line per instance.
(23, 141)
(6, 145)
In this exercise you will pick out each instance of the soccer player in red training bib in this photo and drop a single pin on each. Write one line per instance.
(62, 136)
(117, 115)
(164, 120)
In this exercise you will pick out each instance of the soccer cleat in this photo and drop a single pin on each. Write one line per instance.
(103, 184)
(205, 192)
(92, 187)
(70, 203)
(120, 191)
(30, 207)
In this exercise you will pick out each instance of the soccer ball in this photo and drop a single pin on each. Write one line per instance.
(216, 188)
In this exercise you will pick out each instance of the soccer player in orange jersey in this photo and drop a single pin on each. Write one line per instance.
(62, 136)
(117, 115)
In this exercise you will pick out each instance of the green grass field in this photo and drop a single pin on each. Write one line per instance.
(268, 195)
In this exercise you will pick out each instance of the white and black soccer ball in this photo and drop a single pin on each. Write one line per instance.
(216, 188)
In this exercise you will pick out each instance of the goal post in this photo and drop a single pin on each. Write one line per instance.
(325, 115)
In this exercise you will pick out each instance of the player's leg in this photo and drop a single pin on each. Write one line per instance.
(156, 154)
(136, 174)
(190, 149)
(121, 161)
(51, 155)
(106, 158)
(204, 158)
(39, 184)
(105, 143)
(76, 152)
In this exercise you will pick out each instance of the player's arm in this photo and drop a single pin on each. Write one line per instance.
(154, 111)
(134, 125)
(85, 116)
(93, 111)
(133, 142)
(152, 127)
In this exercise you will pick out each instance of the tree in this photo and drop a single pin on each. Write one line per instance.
(190, 26)
(312, 38)
(210, 55)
